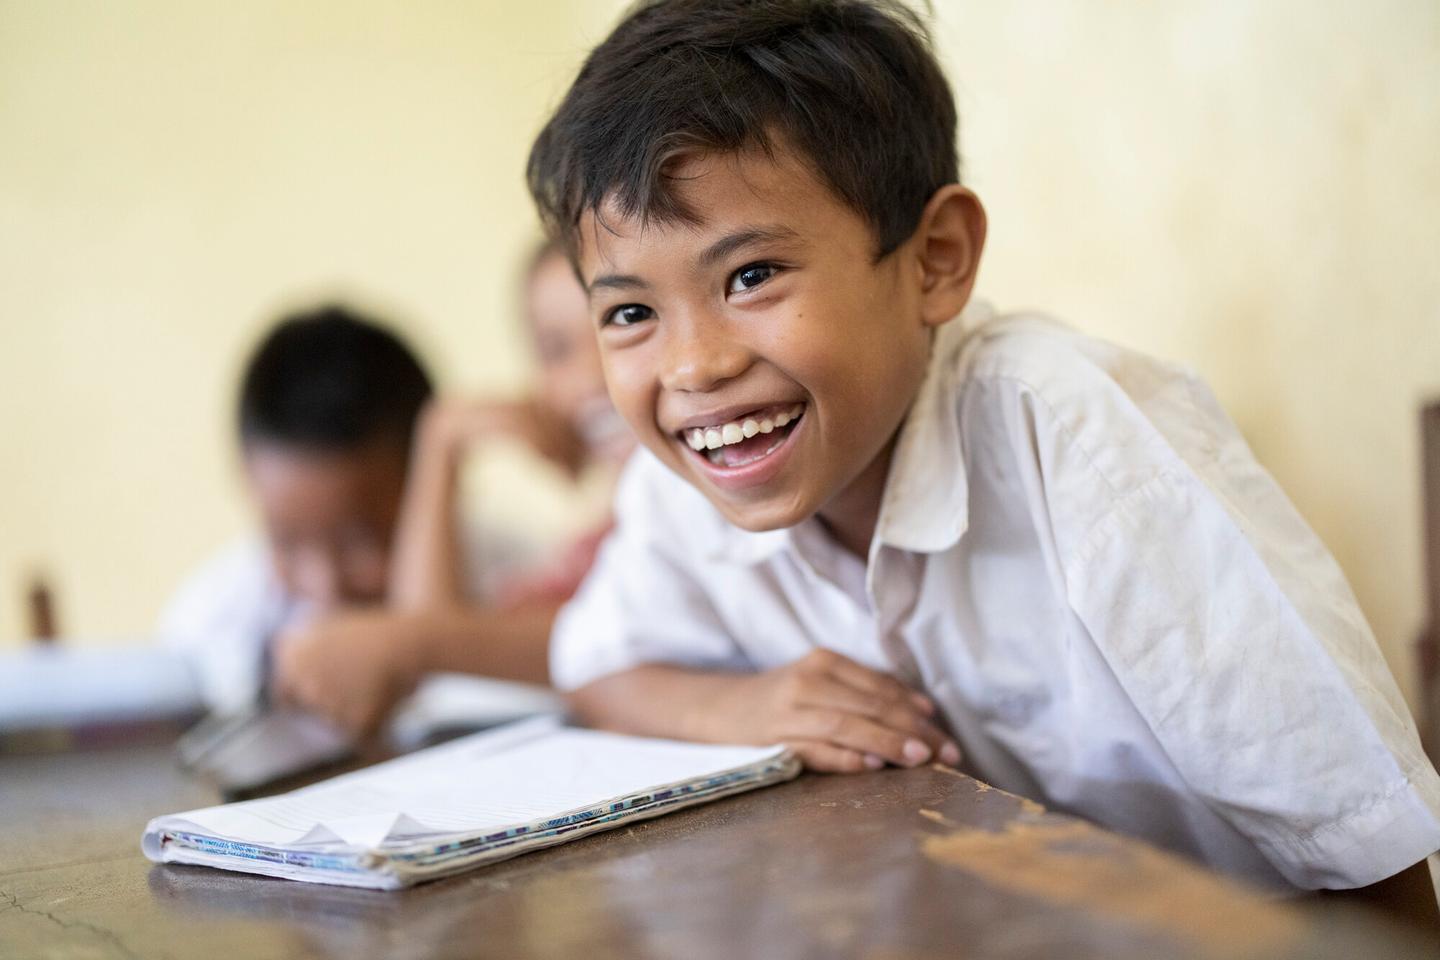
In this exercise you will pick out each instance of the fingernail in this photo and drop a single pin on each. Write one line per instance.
(874, 762)
(950, 754)
(916, 752)
(923, 703)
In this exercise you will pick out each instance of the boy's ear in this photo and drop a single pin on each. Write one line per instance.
(947, 244)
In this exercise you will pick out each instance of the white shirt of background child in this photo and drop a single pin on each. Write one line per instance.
(1116, 609)
(226, 614)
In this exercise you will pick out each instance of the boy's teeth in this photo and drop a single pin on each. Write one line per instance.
(713, 438)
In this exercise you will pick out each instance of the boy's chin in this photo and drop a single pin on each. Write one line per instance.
(754, 511)
(762, 515)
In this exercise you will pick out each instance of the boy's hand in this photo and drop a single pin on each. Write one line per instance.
(350, 667)
(454, 424)
(836, 715)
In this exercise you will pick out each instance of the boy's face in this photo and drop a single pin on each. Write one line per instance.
(768, 322)
(328, 517)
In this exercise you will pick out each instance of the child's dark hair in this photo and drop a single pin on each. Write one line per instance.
(331, 379)
(852, 85)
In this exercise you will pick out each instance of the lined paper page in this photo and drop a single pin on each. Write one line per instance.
(509, 777)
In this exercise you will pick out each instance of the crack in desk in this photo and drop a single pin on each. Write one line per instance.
(9, 901)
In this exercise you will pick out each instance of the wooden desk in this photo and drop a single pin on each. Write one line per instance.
(896, 864)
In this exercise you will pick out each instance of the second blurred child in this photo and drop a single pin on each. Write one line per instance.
(355, 666)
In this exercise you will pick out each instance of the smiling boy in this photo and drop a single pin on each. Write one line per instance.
(884, 525)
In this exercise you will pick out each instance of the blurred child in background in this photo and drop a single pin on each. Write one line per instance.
(328, 406)
(354, 665)
(569, 422)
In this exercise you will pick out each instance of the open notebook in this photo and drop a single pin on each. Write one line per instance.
(472, 801)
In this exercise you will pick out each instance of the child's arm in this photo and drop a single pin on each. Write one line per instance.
(643, 649)
(1226, 623)
(835, 714)
(427, 566)
(354, 667)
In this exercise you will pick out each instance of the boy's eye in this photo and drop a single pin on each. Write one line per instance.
(630, 313)
(750, 276)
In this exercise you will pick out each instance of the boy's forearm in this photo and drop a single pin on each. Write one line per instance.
(507, 644)
(426, 566)
(658, 700)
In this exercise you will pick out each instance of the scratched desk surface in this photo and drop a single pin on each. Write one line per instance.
(895, 864)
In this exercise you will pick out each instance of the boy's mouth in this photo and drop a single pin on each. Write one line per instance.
(745, 440)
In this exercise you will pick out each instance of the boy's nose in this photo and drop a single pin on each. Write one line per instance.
(700, 353)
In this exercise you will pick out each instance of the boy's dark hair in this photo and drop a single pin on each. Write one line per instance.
(331, 379)
(852, 85)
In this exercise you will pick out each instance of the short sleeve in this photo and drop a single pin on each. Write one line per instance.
(643, 600)
(1236, 636)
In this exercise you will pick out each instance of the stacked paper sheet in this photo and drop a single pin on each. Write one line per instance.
(473, 801)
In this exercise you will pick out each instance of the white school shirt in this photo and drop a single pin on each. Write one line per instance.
(1115, 608)
(225, 615)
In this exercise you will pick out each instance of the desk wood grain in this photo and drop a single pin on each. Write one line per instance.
(896, 864)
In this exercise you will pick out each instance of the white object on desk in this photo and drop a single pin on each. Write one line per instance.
(450, 808)
(71, 685)
(50, 687)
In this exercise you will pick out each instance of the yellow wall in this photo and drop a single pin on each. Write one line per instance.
(1250, 188)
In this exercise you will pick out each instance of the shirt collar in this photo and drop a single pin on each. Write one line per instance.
(925, 507)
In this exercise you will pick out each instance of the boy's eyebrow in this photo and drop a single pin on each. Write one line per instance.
(616, 281)
(740, 239)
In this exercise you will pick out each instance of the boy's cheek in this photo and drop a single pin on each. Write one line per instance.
(634, 397)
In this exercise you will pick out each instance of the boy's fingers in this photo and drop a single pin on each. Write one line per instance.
(863, 735)
(827, 758)
(293, 684)
(900, 716)
(359, 723)
(878, 684)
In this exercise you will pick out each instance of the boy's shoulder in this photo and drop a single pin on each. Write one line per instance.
(1050, 359)
(1128, 414)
